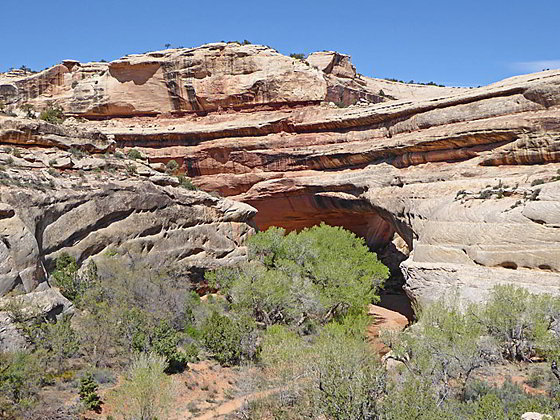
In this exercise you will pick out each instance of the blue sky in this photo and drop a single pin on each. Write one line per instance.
(461, 43)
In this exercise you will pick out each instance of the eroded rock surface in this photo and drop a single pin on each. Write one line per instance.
(468, 178)
(54, 201)
(46, 305)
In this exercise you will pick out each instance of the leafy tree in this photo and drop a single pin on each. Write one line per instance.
(59, 340)
(523, 323)
(347, 380)
(20, 380)
(445, 345)
(320, 273)
(333, 374)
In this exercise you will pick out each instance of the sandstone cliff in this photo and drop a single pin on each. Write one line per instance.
(462, 184)
(54, 200)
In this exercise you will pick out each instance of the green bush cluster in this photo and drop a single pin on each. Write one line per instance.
(20, 381)
(53, 115)
(230, 340)
(88, 392)
(132, 309)
(334, 375)
(295, 311)
(186, 183)
(134, 154)
(312, 276)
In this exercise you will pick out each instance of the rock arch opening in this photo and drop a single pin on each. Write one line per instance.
(380, 231)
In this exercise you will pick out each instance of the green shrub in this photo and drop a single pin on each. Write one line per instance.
(186, 183)
(78, 153)
(66, 277)
(172, 166)
(53, 115)
(164, 342)
(146, 392)
(520, 321)
(134, 154)
(228, 340)
(221, 336)
(415, 398)
(21, 376)
(298, 56)
(348, 381)
(490, 407)
(88, 392)
(332, 375)
(59, 340)
(445, 345)
(132, 308)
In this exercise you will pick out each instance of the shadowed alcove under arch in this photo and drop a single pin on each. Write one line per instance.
(384, 235)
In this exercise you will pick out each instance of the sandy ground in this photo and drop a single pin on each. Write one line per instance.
(383, 319)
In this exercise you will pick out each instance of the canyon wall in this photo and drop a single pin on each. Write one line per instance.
(463, 184)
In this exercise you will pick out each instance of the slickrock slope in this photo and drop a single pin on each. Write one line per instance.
(208, 78)
(461, 184)
(54, 201)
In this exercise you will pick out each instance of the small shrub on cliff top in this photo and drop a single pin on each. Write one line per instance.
(297, 56)
(29, 110)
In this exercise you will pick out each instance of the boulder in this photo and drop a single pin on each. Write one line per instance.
(40, 306)
(535, 416)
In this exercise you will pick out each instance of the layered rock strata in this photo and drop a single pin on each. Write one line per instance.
(465, 181)
(54, 201)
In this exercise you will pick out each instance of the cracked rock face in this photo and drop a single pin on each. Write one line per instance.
(467, 178)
